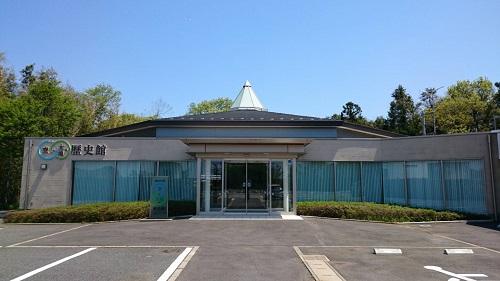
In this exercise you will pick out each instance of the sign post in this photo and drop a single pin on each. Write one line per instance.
(159, 198)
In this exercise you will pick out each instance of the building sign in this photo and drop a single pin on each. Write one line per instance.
(61, 149)
(159, 198)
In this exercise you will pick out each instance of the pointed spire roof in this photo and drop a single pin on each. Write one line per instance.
(247, 99)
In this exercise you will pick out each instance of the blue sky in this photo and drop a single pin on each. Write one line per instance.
(302, 57)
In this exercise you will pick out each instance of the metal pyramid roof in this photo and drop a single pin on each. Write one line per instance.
(247, 99)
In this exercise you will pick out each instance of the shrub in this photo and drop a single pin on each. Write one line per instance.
(374, 212)
(81, 213)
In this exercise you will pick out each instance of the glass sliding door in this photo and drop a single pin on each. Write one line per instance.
(235, 174)
(215, 185)
(232, 185)
(277, 185)
(257, 185)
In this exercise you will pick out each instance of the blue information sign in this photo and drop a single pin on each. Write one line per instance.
(159, 198)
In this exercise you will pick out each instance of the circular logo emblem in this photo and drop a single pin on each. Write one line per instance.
(50, 149)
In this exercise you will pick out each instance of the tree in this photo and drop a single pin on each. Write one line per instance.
(27, 76)
(351, 112)
(429, 99)
(210, 106)
(402, 116)
(467, 107)
(336, 116)
(497, 94)
(45, 109)
(159, 109)
(99, 104)
(7, 80)
(380, 123)
(122, 120)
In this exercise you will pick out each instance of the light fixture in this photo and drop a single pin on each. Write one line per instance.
(43, 166)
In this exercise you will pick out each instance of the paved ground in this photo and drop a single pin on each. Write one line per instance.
(245, 250)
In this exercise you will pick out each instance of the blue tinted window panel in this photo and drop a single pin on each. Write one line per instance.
(181, 179)
(315, 181)
(147, 172)
(371, 175)
(347, 181)
(127, 181)
(464, 186)
(93, 182)
(424, 184)
(394, 183)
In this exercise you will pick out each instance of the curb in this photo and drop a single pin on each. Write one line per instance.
(409, 222)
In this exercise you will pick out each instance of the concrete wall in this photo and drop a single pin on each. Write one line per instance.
(52, 187)
(408, 148)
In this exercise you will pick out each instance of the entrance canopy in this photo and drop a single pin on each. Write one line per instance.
(247, 147)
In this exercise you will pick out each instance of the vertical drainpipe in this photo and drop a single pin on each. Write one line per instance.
(492, 178)
(27, 180)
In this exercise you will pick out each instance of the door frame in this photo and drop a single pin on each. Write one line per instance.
(287, 184)
(267, 209)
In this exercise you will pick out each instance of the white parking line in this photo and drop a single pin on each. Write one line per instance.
(170, 270)
(99, 246)
(384, 246)
(36, 271)
(45, 236)
(470, 244)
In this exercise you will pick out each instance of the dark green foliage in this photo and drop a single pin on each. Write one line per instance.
(40, 106)
(210, 106)
(402, 117)
(351, 112)
(375, 212)
(44, 108)
(82, 213)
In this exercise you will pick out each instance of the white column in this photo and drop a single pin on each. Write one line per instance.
(207, 185)
(198, 183)
(294, 184)
(285, 186)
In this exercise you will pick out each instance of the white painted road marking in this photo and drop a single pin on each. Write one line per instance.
(170, 270)
(36, 271)
(387, 251)
(382, 246)
(45, 236)
(470, 244)
(456, 276)
(100, 246)
(458, 251)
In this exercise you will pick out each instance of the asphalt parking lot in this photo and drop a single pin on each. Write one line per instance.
(246, 250)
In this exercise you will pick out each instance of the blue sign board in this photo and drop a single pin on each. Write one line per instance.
(159, 198)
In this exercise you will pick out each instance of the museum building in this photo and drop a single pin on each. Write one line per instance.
(251, 160)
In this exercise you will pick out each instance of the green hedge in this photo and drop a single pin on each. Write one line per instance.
(374, 212)
(81, 213)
